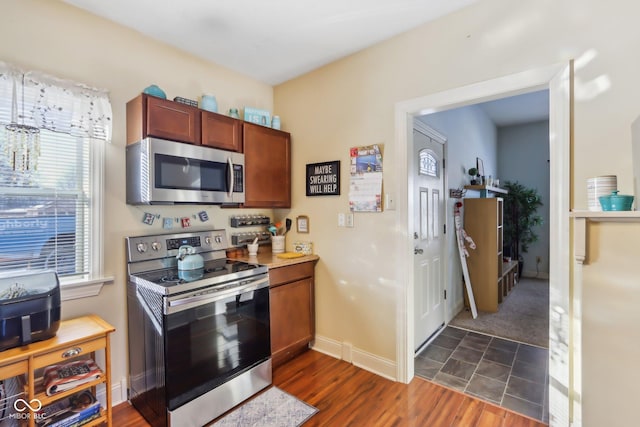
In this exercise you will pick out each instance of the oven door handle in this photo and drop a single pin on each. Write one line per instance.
(244, 286)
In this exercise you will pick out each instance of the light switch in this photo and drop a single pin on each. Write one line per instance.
(349, 220)
(389, 202)
(341, 220)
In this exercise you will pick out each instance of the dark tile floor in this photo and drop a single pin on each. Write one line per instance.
(507, 373)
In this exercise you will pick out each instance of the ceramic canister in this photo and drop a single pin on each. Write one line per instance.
(275, 122)
(277, 244)
(600, 186)
(209, 103)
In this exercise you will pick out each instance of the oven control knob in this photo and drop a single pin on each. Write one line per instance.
(218, 239)
(207, 241)
(155, 246)
(142, 247)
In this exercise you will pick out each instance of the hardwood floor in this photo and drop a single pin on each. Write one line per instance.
(349, 396)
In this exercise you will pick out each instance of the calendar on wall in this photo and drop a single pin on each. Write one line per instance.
(365, 187)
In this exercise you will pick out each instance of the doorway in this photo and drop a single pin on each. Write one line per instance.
(511, 137)
(557, 79)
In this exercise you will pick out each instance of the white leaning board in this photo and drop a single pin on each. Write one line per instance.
(463, 261)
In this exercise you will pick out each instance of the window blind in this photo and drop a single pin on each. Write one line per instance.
(44, 215)
(48, 211)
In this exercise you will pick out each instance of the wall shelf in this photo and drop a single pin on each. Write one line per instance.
(607, 216)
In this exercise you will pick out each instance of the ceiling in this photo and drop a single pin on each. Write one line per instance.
(277, 40)
(519, 109)
(271, 41)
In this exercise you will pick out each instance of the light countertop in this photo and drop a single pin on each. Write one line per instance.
(265, 257)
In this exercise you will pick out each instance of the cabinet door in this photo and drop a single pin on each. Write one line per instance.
(172, 120)
(221, 131)
(292, 318)
(267, 167)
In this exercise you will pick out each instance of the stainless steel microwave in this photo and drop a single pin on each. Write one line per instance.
(168, 172)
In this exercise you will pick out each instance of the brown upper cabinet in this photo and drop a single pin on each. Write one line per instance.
(151, 116)
(221, 131)
(267, 151)
(161, 118)
(267, 158)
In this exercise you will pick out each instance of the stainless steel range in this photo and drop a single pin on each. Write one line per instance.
(199, 340)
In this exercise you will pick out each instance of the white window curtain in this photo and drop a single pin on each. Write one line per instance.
(47, 102)
(50, 215)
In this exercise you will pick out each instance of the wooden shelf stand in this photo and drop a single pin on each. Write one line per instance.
(483, 223)
(76, 338)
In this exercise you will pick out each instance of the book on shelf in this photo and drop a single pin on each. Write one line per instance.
(62, 377)
(75, 410)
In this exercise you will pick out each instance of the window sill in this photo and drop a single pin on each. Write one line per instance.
(83, 288)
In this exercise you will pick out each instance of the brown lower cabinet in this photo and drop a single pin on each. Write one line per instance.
(291, 296)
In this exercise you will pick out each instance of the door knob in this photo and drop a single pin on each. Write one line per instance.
(417, 251)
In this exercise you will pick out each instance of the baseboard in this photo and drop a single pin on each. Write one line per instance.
(535, 275)
(344, 351)
(118, 393)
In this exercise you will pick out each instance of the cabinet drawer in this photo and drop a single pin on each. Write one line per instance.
(290, 273)
(13, 370)
(66, 354)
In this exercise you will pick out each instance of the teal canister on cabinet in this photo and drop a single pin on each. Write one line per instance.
(209, 103)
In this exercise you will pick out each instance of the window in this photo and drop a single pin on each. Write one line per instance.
(428, 163)
(45, 215)
(50, 186)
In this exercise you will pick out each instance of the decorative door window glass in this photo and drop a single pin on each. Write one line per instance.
(429, 164)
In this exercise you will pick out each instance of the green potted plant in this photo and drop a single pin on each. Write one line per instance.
(473, 173)
(520, 219)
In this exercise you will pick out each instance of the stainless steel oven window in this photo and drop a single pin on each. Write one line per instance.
(207, 345)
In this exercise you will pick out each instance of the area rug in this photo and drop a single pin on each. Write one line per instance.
(272, 408)
(522, 316)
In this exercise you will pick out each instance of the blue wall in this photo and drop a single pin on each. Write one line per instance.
(523, 156)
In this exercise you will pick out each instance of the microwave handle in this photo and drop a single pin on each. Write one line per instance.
(231, 178)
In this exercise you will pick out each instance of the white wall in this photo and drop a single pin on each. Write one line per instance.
(523, 156)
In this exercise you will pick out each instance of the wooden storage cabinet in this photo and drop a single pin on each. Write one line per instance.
(267, 157)
(483, 223)
(292, 309)
(221, 131)
(75, 339)
(151, 116)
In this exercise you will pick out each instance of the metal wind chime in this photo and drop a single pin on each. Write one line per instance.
(22, 147)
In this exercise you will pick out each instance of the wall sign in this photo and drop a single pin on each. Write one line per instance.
(323, 179)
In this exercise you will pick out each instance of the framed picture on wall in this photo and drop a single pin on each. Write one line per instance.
(302, 224)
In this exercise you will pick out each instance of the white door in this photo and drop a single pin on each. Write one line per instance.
(429, 239)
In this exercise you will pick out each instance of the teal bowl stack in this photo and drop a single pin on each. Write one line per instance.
(616, 202)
